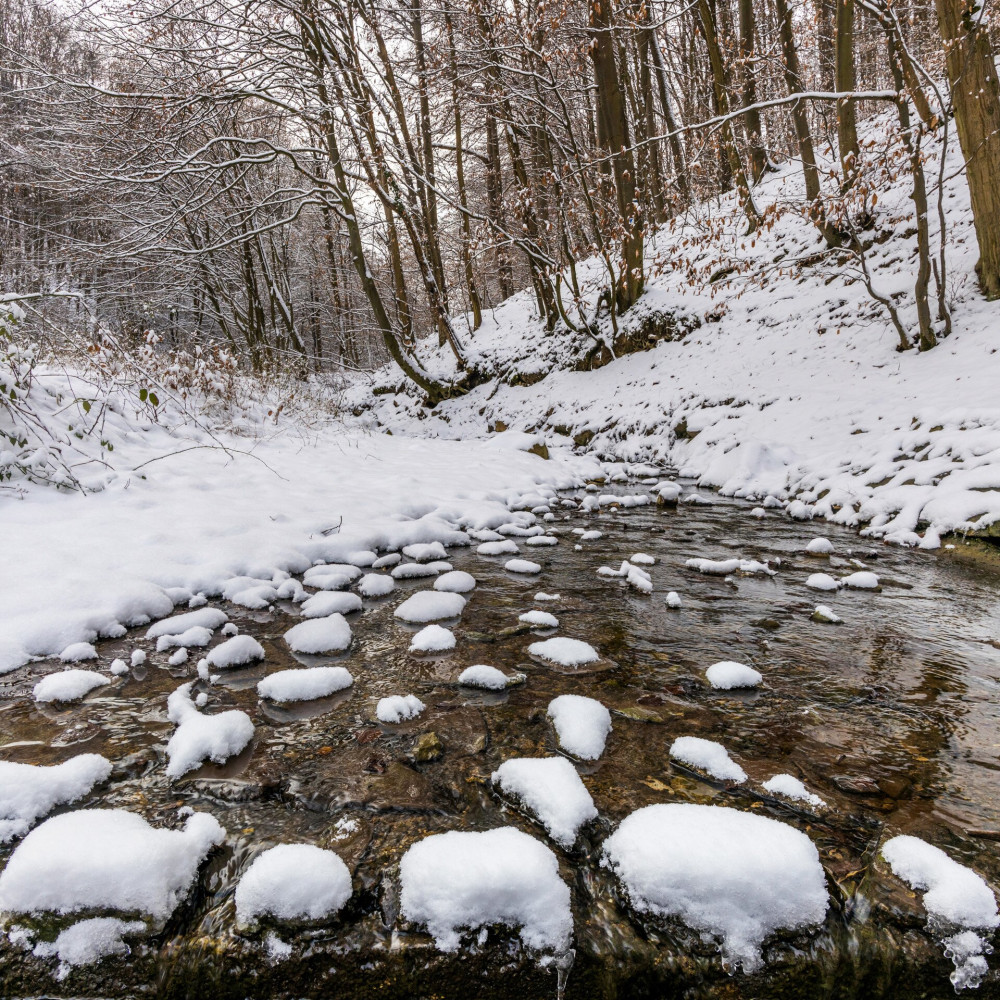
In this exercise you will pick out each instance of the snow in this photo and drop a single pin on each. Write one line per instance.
(376, 585)
(417, 571)
(708, 756)
(331, 634)
(642, 559)
(541, 540)
(824, 614)
(138, 657)
(425, 551)
(522, 566)
(582, 725)
(304, 684)
(673, 600)
(210, 618)
(329, 602)
(88, 941)
(178, 657)
(551, 790)
(460, 880)
(433, 639)
(68, 685)
(540, 619)
(954, 897)
(238, 651)
(106, 859)
(506, 547)
(565, 652)
(196, 635)
(735, 876)
(483, 676)
(199, 737)
(118, 667)
(455, 582)
(727, 674)
(789, 787)
(293, 882)
(430, 605)
(399, 708)
(723, 567)
(331, 576)
(861, 581)
(28, 791)
(820, 547)
(390, 559)
(822, 581)
(542, 596)
(78, 651)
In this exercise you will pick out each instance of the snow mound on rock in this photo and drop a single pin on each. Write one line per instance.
(88, 941)
(550, 789)
(822, 581)
(331, 634)
(458, 881)
(736, 876)
(331, 602)
(236, 652)
(210, 618)
(68, 685)
(398, 708)
(525, 566)
(293, 882)
(429, 606)
(28, 791)
(376, 585)
(304, 684)
(106, 859)
(708, 756)
(565, 652)
(433, 639)
(482, 676)
(540, 619)
(455, 582)
(727, 675)
(789, 787)
(582, 725)
(199, 737)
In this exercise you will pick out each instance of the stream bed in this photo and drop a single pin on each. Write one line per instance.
(891, 717)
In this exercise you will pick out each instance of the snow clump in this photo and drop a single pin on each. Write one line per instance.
(455, 582)
(460, 880)
(504, 548)
(736, 876)
(433, 639)
(727, 675)
(565, 652)
(821, 581)
(330, 602)
(210, 618)
(238, 651)
(540, 619)
(88, 941)
(820, 547)
(77, 652)
(550, 789)
(304, 684)
(861, 581)
(723, 567)
(320, 635)
(708, 756)
(525, 566)
(376, 585)
(482, 676)
(199, 737)
(789, 787)
(29, 791)
(430, 605)
(68, 685)
(106, 859)
(582, 725)
(293, 882)
(398, 708)
(673, 600)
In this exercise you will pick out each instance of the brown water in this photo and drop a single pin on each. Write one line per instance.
(891, 717)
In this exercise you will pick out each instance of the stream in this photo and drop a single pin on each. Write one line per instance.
(892, 718)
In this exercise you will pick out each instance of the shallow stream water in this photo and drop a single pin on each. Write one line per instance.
(892, 718)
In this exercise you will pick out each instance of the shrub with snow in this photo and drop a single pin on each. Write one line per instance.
(456, 881)
(736, 876)
(293, 882)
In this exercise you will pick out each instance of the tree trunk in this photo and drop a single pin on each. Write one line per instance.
(758, 158)
(847, 120)
(494, 198)
(976, 99)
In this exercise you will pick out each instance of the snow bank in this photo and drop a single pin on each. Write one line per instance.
(708, 756)
(565, 652)
(727, 675)
(736, 876)
(398, 708)
(68, 685)
(293, 882)
(304, 684)
(430, 605)
(29, 791)
(199, 737)
(458, 881)
(320, 635)
(550, 789)
(582, 725)
(433, 639)
(106, 859)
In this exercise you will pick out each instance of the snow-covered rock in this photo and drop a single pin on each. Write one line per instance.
(196, 636)
(29, 791)
(862, 580)
(540, 619)
(68, 685)
(820, 547)
(77, 652)
(455, 582)
(456, 881)
(790, 787)
(481, 675)
(673, 600)
(376, 585)
(827, 615)
(582, 725)
(728, 674)
(708, 756)
(106, 859)
(398, 708)
(541, 541)
(293, 882)
(304, 684)
(551, 790)
(723, 567)
(506, 547)
(239, 651)
(565, 652)
(423, 552)
(88, 941)
(331, 634)
(525, 566)
(433, 639)
(210, 618)
(199, 737)
(429, 606)
(735, 876)
(331, 602)
(418, 571)
(821, 581)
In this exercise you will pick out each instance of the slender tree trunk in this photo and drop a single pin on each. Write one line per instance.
(758, 158)
(676, 146)
(494, 198)
(847, 120)
(975, 97)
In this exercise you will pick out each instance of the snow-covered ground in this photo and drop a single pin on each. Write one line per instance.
(790, 386)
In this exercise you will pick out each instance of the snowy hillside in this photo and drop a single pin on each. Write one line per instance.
(783, 379)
